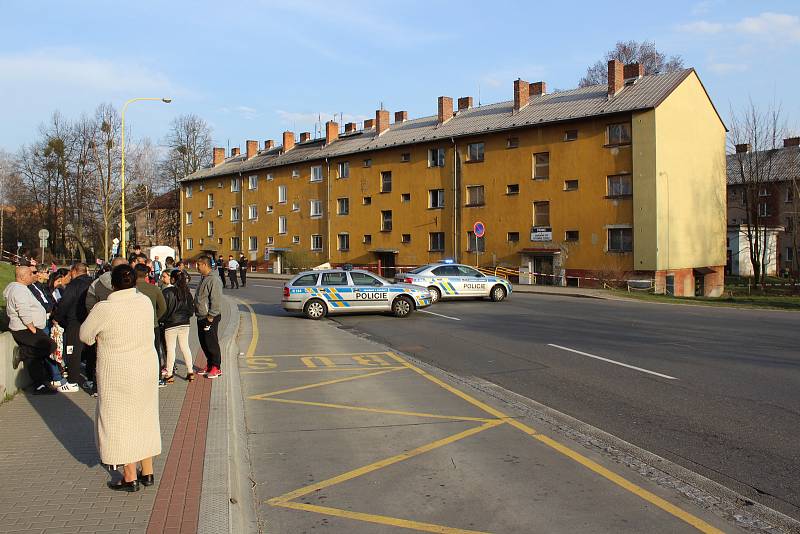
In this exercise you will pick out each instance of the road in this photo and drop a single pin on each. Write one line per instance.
(715, 390)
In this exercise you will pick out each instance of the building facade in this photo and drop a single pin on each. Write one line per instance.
(598, 183)
(155, 222)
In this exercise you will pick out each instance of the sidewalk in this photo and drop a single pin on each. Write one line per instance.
(51, 480)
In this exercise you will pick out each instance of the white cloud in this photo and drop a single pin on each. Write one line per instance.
(245, 112)
(778, 28)
(704, 7)
(727, 68)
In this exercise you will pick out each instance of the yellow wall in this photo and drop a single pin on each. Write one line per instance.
(645, 197)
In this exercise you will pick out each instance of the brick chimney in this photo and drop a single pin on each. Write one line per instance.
(616, 77)
(350, 127)
(288, 141)
(521, 94)
(219, 155)
(537, 89)
(633, 70)
(791, 141)
(269, 144)
(331, 132)
(305, 136)
(252, 148)
(742, 148)
(465, 102)
(381, 120)
(445, 109)
(234, 152)
(400, 116)
(369, 123)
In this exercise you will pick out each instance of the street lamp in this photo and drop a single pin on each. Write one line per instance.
(123, 250)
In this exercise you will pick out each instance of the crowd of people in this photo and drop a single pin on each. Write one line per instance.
(232, 270)
(115, 336)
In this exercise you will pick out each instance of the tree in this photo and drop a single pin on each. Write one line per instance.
(653, 61)
(106, 155)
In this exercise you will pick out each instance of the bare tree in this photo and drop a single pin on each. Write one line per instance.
(106, 156)
(756, 134)
(653, 61)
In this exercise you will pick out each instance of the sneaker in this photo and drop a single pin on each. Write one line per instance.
(204, 371)
(88, 384)
(162, 383)
(56, 384)
(41, 389)
(214, 372)
(68, 388)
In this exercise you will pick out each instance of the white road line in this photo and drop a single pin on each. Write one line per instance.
(263, 285)
(612, 361)
(440, 315)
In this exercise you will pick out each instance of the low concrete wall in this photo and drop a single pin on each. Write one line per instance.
(13, 376)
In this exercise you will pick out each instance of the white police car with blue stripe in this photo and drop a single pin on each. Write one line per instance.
(448, 280)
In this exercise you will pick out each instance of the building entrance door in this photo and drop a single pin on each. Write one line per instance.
(543, 267)
(386, 264)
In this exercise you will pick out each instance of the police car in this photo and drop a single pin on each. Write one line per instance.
(453, 280)
(317, 293)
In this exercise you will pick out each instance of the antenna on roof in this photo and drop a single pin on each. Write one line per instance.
(381, 105)
(479, 94)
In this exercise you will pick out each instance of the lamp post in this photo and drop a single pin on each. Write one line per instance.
(123, 249)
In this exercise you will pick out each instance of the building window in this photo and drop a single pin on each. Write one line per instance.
(188, 217)
(620, 185)
(188, 191)
(252, 212)
(270, 177)
(789, 227)
(296, 239)
(343, 206)
(316, 208)
(570, 135)
(236, 185)
(475, 195)
(210, 228)
(219, 213)
(763, 210)
(344, 241)
(366, 201)
(252, 182)
(436, 198)
(386, 181)
(405, 238)
(270, 240)
(210, 203)
(200, 215)
(235, 243)
(570, 185)
(295, 173)
(316, 242)
(541, 166)
(151, 215)
(405, 197)
(282, 224)
(219, 241)
(436, 157)
(475, 152)
(220, 185)
(236, 214)
(316, 173)
(620, 239)
(202, 187)
(436, 241)
(252, 243)
(405, 157)
(512, 237)
(512, 189)
(189, 243)
(344, 169)
(295, 206)
(571, 235)
(368, 162)
(789, 255)
(475, 244)
(618, 134)
(150, 232)
(386, 221)
(512, 142)
(367, 239)
(281, 194)
(541, 214)
(270, 208)
(763, 192)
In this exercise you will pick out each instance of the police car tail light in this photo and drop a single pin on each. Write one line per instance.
(286, 292)
(408, 280)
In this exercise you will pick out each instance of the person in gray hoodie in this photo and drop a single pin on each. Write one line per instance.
(101, 288)
(207, 307)
(27, 319)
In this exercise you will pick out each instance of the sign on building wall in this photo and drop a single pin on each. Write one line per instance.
(541, 234)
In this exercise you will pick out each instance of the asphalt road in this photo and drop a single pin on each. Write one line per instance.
(715, 390)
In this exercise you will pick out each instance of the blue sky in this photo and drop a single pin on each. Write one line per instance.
(253, 69)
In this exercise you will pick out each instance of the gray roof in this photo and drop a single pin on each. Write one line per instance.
(646, 93)
(775, 165)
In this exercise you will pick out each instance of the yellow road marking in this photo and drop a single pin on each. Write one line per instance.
(566, 451)
(379, 410)
(325, 383)
(331, 354)
(322, 370)
(251, 350)
(379, 519)
(381, 463)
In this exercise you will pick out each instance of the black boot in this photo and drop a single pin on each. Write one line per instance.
(146, 480)
(130, 487)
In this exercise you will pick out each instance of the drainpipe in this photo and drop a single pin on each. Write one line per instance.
(455, 199)
(328, 207)
(241, 214)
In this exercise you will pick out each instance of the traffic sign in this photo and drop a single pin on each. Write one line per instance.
(44, 233)
(479, 228)
(115, 241)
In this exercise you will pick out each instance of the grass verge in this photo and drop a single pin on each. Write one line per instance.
(772, 302)
(6, 277)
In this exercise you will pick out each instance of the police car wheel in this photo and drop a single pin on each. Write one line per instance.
(402, 307)
(498, 293)
(436, 295)
(315, 309)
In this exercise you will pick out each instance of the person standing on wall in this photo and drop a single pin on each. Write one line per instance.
(243, 269)
(233, 272)
(70, 314)
(207, 308)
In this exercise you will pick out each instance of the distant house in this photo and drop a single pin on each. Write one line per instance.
(155, 222)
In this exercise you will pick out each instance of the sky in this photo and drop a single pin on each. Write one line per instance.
(254, 69)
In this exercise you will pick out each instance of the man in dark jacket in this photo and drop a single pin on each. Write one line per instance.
(243, 269)
(70, 314)
(159, 306)
(222, 268)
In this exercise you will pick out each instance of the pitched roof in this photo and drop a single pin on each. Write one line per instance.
(165, 201)
(646, 93)
(785, 165)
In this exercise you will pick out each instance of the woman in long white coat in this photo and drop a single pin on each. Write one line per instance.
(127, 423)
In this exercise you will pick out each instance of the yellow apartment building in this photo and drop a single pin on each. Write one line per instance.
(617, 182)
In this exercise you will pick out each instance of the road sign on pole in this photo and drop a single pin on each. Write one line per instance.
(479, 228)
